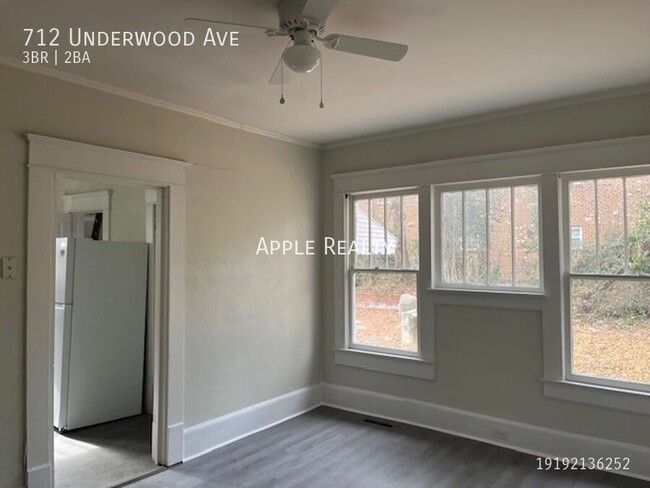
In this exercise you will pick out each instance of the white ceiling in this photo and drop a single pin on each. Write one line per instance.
(466, 57)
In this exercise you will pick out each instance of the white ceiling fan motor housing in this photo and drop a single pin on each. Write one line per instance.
(291, 18)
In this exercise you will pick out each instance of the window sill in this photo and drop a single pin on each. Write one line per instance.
(511, 300)
(385, 363)
(602, 396)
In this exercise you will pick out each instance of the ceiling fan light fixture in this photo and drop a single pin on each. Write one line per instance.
(301, 58)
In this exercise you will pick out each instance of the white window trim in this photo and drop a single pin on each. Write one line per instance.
(418, 365)
(439, 285)
(557, 383)
(566, 179)
(547, 161)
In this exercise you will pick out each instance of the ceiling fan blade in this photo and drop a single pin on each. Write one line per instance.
(318, 9)
(389, 51)
(280, 75)
(249, 30)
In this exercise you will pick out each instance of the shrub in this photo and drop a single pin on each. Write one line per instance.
(626, 302)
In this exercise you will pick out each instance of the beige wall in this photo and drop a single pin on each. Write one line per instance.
(488, 361)
(253, 323)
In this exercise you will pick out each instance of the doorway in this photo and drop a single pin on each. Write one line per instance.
(52, 161)
(105, 274)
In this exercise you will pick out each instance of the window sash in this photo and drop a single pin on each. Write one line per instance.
(353, 199)
(487, 185)
(594, 380)
(353, 269)
(568, 276)
(352, 312)
(595, 177)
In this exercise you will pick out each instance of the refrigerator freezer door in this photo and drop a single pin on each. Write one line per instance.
(62, 323)
(108, 328)
(63, 270)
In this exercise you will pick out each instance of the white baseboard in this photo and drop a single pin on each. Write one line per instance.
(207, 436)
(175, 443)
(538, 441)
(40, 476)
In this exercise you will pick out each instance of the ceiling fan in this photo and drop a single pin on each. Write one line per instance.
(304, 22)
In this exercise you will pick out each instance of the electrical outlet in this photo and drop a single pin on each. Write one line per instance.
(8, 268)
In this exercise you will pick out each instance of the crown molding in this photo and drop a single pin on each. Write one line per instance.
(419, 129)
(96, 85)
(493, 115)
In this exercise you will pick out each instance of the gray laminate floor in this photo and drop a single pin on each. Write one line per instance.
(104, 455)
(331, 448)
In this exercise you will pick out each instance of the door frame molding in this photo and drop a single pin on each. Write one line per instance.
(50, 158)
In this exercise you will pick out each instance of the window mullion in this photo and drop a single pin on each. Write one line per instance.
(352, 215)
(401, 231)
(625, 230)
(597, 223)
(487, 237)
(601, 277)
(385, 235)
(512, 234)
(462, 239)
(370, 260)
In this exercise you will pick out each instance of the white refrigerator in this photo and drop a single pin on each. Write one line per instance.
(99, 331)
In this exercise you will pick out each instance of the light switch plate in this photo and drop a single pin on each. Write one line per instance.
(8, 268)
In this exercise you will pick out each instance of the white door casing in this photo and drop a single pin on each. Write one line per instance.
(50, 158)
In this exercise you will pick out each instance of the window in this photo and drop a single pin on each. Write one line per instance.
(480, 247)
(383, 272)
(488, 236)
(86, 215)
(576, 237)
(607, 279)
(88, 225)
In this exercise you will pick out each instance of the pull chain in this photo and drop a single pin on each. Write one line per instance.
(321, 105)
(281, 81)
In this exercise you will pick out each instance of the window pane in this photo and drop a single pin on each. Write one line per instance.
(610, 329)
(387, 232)
(394, 234)
(582, 211)
(377, 233)
(452, 237)
(475, 238)
(385, 310)
(526, 236)
(611, 227)
(362, 256)
(500, 237)
(411, 222)
(638, 224)
(487, 220)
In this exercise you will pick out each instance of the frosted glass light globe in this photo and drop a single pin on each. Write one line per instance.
(301, 58)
